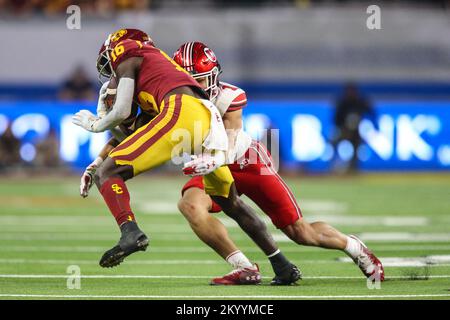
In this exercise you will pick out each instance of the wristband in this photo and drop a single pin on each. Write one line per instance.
(97, 162)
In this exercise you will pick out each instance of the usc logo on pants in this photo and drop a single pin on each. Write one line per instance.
(115, 187)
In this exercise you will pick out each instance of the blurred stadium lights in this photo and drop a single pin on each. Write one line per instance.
(403, 136)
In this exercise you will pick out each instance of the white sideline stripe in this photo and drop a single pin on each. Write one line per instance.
(389, 236)
(410, 261)
(166, 207)
(141, 262)
(137, 262)
(184, 262)
(348, 220)
(13, 295)
(200, 249)
(125, 276)
(403, 236)
(163, 236)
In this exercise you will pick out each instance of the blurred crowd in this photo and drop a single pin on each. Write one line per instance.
(41, 156)
(78, 86)
(59, 7)
(106, 8)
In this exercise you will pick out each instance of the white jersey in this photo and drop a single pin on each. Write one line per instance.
(231, 98)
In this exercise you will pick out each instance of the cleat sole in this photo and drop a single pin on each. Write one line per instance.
(116, 255)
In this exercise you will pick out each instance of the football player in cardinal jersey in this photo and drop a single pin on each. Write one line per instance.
(148, 75)
(254, 176)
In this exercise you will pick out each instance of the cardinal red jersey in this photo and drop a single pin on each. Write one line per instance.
(158, 74)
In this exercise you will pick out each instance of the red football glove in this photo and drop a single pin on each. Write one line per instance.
(203, 164)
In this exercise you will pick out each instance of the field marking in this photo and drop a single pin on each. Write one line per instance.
(389, 236)
(163, 236)
(426, 261)
(335, 219)
(210, 262)
(404, 236)
(187, 235)
(126, 276)
(141, 262)
(169, 206)
(95, 262)
(13, 295)
(207, 250)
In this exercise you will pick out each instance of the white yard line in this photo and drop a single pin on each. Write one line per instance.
(141, 262)
(434, 260)
(92, 236)
(404, 236)
(126, 276)
(406, 262)
(24, 222)
(95, 262)
(204, 249)
(13, 295)
(390, 236)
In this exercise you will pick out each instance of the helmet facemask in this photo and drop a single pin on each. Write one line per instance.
(212, 79)
(104, 65)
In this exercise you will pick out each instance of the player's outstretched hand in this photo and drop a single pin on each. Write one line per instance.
(203, 164)
(87, 179)
(85, 119)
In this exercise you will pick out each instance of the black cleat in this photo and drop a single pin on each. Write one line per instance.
(132, 240)
(288, 276)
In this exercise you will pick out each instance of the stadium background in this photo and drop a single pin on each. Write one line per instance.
(293, 58)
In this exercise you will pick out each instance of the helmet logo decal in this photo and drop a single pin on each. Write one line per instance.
(210, 54)
(118, 34)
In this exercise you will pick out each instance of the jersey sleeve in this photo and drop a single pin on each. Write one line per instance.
(123, 50)
(238, 103)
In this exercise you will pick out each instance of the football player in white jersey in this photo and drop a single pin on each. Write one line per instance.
(252, 169)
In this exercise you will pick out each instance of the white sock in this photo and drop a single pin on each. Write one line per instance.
(353, 247)
(238, 260)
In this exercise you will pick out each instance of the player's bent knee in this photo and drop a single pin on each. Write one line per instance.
(191, 210)
(185, 207)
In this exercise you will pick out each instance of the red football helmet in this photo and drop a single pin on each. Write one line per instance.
(201, 62)
(104, 66)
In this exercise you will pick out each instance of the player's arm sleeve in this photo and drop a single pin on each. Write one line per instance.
(238, 103)
(121, 108)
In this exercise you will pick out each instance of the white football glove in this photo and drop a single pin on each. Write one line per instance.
(85, 119)
(203, 164)
(101, 106)
(87, 179)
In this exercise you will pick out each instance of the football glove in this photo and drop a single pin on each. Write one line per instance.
(85, 119)
(203, 164)
(87, 179)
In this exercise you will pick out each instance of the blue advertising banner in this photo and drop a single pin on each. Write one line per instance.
(404, 135)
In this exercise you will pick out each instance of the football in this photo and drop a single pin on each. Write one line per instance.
(111, 91)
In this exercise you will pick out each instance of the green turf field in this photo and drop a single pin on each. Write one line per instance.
(45, 227)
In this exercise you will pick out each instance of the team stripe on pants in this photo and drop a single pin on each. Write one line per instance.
(141, 140)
